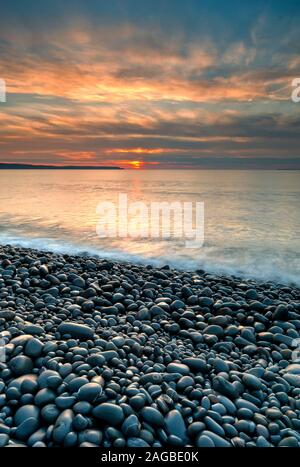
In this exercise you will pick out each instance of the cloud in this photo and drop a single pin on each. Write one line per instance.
(107, 80)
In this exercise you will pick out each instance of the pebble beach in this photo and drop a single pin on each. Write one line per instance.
(98, 353)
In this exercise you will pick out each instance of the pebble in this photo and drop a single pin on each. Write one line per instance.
(131, 426)
(89, 392)
(178, 368)
(217, 441)
(4, 439)
(293, 380)
(27, 428)
(44, 396)
(224, 387)
(136, 443)
(33, 348)
(220, 366)
(27, 421)
(78, 331)
(204, 441)
(251, 294)
(49, 413)
(252, 382)
(104, 354)
(21, 365)
(91, 436)
(152, 416)
(34, 329)
(62, 426)
(290, 442)
(214, 330)
(110, 413)
(175, 425)
(196, 364)
(8, 315)
(65, 402)
(281, 313)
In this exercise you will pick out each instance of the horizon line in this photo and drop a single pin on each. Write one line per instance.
(21, 166)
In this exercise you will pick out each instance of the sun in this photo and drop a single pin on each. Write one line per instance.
(136, 164)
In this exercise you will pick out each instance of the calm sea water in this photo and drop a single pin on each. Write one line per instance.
(252, 218)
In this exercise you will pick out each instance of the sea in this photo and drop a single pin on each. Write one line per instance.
(251, 218)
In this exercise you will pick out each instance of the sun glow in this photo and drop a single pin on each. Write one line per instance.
(136, 164)
(137, 151)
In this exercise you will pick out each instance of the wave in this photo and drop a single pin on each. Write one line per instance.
(236, 262)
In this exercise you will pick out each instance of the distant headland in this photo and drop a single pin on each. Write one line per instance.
(4, 166)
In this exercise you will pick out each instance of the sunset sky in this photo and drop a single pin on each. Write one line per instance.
(150, 84)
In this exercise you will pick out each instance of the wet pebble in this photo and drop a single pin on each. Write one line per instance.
(100, 353)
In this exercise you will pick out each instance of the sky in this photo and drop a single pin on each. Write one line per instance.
(154, 85)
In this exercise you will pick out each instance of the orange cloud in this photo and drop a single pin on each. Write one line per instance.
(139, 151)
(85, 65)
(100, 94)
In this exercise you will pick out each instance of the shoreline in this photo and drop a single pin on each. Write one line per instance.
(123, 258)
(116, 354)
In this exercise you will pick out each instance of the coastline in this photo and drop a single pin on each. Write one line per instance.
(102, 353)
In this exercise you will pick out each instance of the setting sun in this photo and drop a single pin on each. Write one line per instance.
(136, 164)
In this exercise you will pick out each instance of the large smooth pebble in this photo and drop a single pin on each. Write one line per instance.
(110, 413)
(63, 426)
(78, 331)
